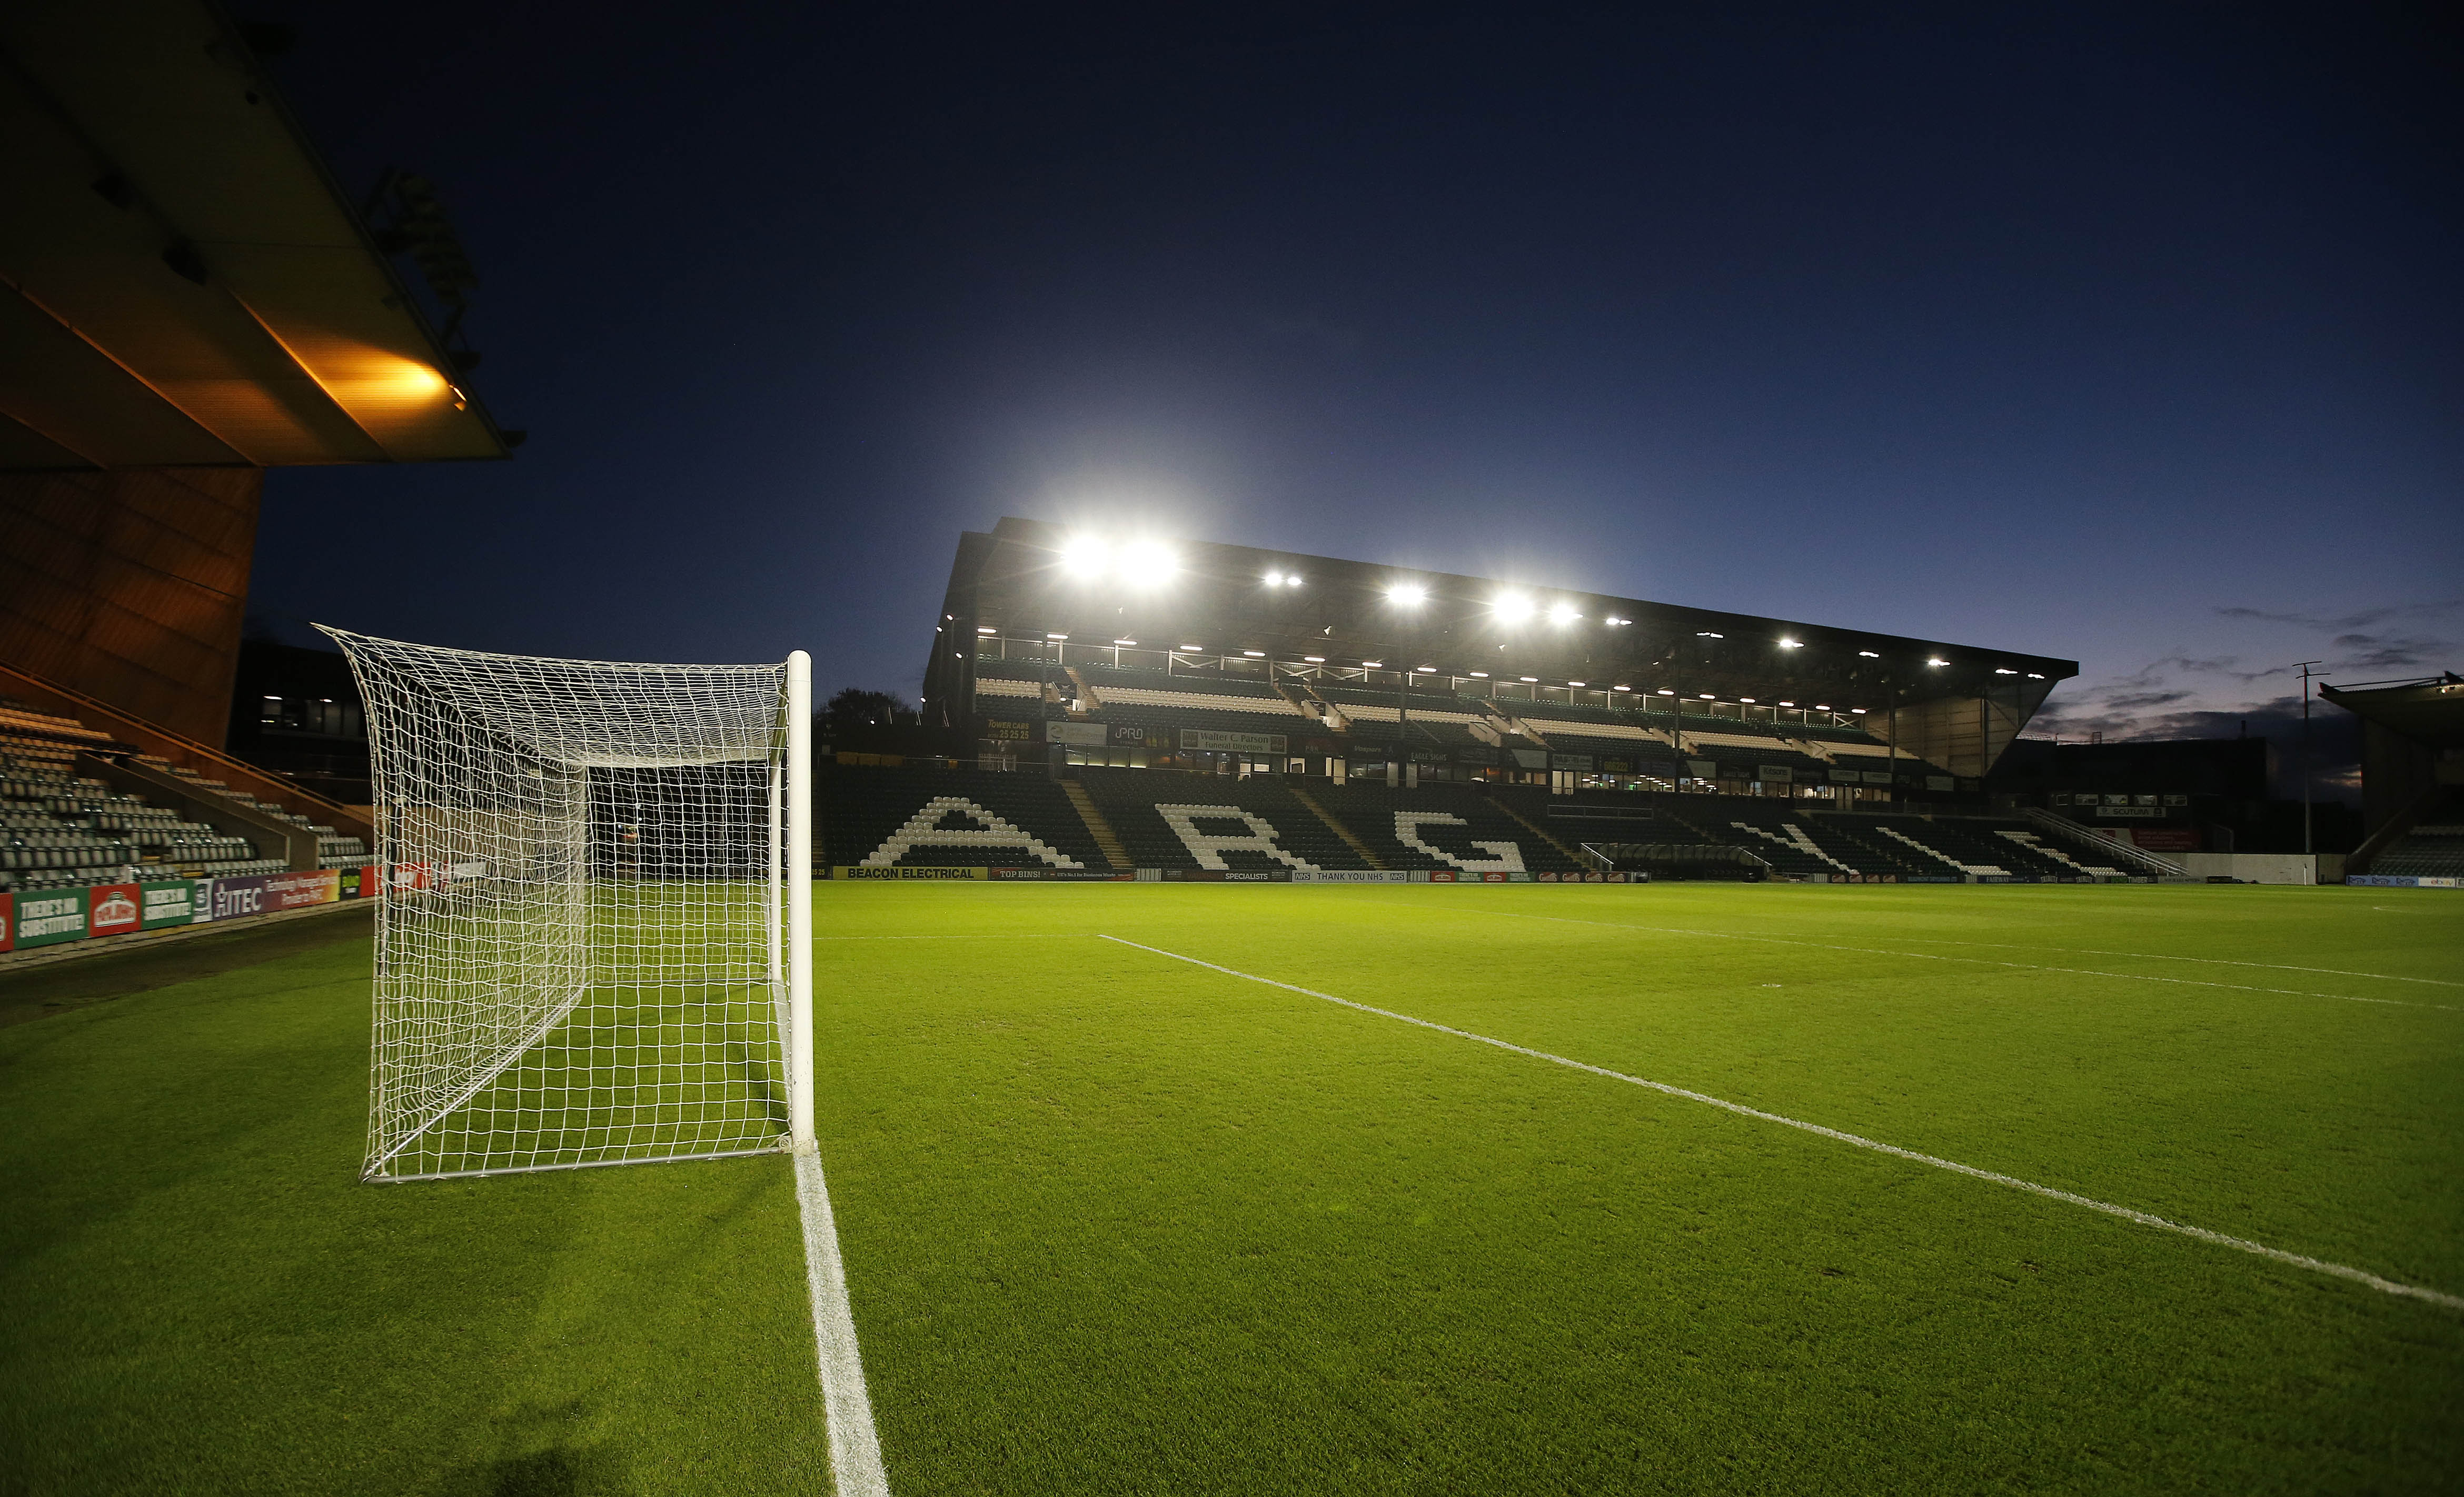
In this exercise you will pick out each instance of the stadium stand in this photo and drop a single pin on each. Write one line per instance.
(1440, 827)
(59, 829)
(950, 818)
(2434, 848)
(1151, 812)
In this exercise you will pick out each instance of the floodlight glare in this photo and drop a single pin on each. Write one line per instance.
(1789, 644)
(1483, 674)
(1620, 686)
(1056, 636)
(1425, 668)
(1148, 564)
(1514, 607)
(1407, 594)
(1314, 660)
(1744, 699)
(1577, 683)
(2000, 670)
(1084, 556)
(1818, 707)
(1937, 662)
(1563, 613)
(1274, 579)
(1125, 641)
(1708, 634)
(2034, 677)
(986, 629)
(1531, 678)
(1193, 647)
(1869, 654)
(1666, 692)
(1788, 704)
(1255, 655)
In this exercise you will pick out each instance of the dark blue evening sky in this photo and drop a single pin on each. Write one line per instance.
(2127, 334)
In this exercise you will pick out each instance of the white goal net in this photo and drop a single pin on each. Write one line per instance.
(583, 954)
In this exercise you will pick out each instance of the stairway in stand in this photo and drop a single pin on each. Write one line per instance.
(1097, 826)
(1341, 830)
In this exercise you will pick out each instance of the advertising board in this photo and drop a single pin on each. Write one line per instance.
(111, 909)
(899, 873)
(168, 902)
(7, 922)
(49, 916)
(1208, 740)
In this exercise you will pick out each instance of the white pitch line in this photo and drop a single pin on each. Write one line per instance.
(2214, 961)
(2242, 1245)
(855, 1449)
(1926, 955)
(970, 936)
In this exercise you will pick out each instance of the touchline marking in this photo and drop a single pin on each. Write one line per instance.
(2126, 1213)
(970, 936)
(1926, 955)
(2214, 961)
(855, 1449)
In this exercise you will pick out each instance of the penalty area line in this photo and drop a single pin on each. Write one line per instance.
(2361, 1276)
(855, 1448)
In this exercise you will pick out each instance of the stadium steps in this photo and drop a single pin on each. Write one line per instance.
(1301, 794)
(1533, 827)
(1106, 841)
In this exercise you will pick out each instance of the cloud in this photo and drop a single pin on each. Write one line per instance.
(2133, 701)
(2350, 621)
(2376, 652)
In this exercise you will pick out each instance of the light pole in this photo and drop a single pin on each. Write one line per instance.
(2304, 667)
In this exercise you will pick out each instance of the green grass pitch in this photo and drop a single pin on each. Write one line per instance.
(1114, 1223)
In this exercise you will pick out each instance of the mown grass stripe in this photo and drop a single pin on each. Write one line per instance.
(2202, 1234)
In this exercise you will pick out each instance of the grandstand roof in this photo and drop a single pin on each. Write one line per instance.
(2429, 711)
(1029, 579)
(182, 282)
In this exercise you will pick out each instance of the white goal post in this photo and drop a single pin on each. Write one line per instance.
(594, 930)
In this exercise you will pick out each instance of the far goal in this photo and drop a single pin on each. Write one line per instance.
(594, 939)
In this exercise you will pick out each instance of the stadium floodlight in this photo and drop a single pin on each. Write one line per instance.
(1868, 654)
(2034, 677)
(1512, 607)
(1666, 692)
(1056, 636)
(1852, 709)
(1255, 655)
(1937, 662)
(2003, 671)
(1708, 634)
(1426, 669)
(589, 949)
(1788, 704)
(1189, 647)
(1563, 614)
(1746, 699)
(1274, 579)
(1620, 686)
(1371, 665)
(1313, 660)
(1408, 595)
(1614, 622)
(1147, 563)
(1708, 698)
(1482, 675)
(1125, 641)
(1531, 678)
(1821, 707)
(986, 629)
(1084, 556)
(1577, 683)
(1791, 644)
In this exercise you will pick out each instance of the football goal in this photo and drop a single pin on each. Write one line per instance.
(593, 943)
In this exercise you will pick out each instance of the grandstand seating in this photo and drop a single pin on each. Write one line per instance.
(2434, 848)
(1370, 812)
(61, 830)
(1129, 800)
(861, 809)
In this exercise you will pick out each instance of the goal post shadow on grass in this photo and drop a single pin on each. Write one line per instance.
(594, 933)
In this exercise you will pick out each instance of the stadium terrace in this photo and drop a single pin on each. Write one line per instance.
(1367, 665)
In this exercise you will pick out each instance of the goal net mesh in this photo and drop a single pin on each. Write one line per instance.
(577, 946)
